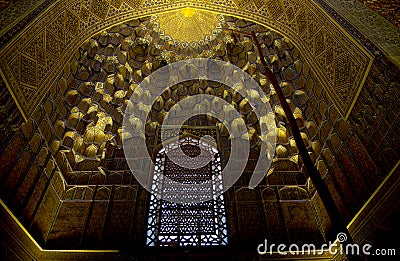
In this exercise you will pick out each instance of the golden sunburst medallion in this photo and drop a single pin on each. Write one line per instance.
(188, 24)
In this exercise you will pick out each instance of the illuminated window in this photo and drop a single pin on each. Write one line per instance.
(187, 224)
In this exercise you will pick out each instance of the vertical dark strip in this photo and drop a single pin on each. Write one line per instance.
(23, 176)
(281, 215)
(89, 215)
(108, 216)
(4, 177)
(10, 117)
(41, 198)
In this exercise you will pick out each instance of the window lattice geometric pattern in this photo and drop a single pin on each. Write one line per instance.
(187, 224)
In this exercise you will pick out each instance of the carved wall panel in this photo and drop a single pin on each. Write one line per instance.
(376, 115)
(389, 9)
(33, 185)
(14, 13)
(251, 219)
(371, 29)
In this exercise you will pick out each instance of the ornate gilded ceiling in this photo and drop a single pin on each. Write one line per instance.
(31, 62)
(34, 61)
(188, 24)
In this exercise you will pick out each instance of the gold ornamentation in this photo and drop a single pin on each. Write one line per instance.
(100, 8)
(274, 8)
(240, 3)
(134, 3)
(187, 25)
(117, 3)
(319, 39)
(28, 71)
(72, 23)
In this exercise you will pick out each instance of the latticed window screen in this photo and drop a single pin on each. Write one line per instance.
(187, 224)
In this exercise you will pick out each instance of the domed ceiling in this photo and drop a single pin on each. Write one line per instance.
(188, 24)
(30, 64)
(75, 70)
(85, 111)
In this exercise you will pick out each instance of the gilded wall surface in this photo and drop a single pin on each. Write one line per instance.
(10, 116)
(77, 191)
(64, 200)
(376, 114)
(5, 4)
(31, 63)
(372, 30)
(17, 14)
(390, 9)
